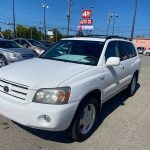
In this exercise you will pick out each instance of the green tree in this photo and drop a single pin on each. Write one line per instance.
(57, 35)
(7, 34)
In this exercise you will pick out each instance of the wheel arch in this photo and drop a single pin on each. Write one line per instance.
(2, 55)
(136, 73)
(97, 94)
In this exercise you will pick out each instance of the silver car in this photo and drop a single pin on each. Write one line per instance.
(11, 52)
(35, 45)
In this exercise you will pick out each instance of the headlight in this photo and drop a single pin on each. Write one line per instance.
(56, 96)
(12, 55)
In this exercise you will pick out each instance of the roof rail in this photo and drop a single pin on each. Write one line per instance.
(108, 36)
(119, 37)
(101, 36)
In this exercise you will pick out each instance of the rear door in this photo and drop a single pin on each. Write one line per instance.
(125, 63)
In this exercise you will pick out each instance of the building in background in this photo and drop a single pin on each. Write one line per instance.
(142, 42)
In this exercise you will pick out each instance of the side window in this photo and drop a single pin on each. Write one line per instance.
(133, 50)
(123, 50)
(112, 50)
(23, 42)
(18, 41)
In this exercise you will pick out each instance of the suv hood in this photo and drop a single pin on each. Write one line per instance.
(41, 73)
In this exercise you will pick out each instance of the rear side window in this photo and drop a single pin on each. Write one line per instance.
(126, 50)
(123, 50)
(23, 42)
(132, 50)
(18, 41)
(112, 50)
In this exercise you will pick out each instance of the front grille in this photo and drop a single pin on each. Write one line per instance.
(13, 89)
(27, 56)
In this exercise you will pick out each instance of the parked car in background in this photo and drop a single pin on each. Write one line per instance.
(10, 52)
(35, 45)
(147, 52)
(140, 50)
(67, 85)
(46, 43)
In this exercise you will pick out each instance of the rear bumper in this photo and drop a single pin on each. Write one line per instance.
(60, 116)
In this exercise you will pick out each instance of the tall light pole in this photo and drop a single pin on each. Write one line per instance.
(44, 8)
(114, 21)
(69, 16)
(108, 23)
(134, 19)
(14, 19)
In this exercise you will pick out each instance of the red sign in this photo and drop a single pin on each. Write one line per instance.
(86, 14)
(86, 22)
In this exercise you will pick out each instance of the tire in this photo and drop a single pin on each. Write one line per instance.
(3, 61)
(84, 120)
(132, 87)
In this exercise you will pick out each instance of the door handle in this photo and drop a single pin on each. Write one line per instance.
(122, 66)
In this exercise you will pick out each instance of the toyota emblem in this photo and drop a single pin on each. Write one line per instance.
(6, 89)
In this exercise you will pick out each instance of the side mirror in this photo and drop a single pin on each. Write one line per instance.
(113, 61)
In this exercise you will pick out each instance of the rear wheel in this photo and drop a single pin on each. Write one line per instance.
(3, 61)
(84, 120)
(132, 87)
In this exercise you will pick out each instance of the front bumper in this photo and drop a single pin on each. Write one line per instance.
(31, 114)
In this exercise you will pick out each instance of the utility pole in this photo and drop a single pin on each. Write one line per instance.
(14, 20)
(134, 19)
(115, 16)
(31, 32)
(44, 8)
(69, 16)
(108, 23)
(41, 30)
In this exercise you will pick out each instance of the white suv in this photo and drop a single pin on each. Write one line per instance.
(66, 87)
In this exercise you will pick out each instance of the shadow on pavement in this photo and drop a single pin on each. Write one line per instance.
(62, 137)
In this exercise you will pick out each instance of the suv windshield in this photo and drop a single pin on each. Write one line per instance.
(75, 51)
(35, 43)
(9, 44)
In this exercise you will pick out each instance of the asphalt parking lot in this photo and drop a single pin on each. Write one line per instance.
(124, 125)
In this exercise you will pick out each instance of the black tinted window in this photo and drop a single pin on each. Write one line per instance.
(132, 50)
(9, 44)
(127, 50)
(23, 42)
(18, 41)
(112, 50)
(123, 50)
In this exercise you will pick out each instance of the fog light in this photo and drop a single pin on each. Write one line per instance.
(47, 118)
(44, 119)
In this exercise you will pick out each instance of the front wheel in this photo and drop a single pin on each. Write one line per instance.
(84, 120)
(3, 61)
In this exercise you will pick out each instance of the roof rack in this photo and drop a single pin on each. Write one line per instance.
(119, 37)
(102, 36)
